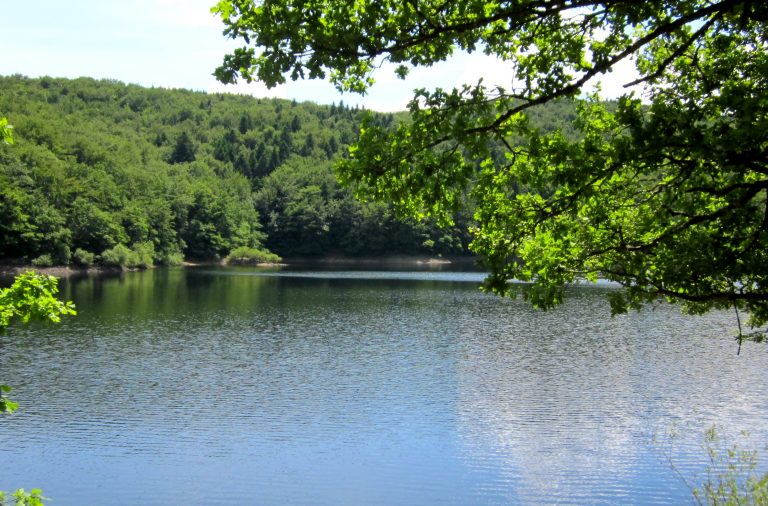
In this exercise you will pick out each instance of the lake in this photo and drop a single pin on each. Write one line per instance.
(242, 386)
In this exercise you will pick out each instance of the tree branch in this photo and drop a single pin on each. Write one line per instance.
(678, 52)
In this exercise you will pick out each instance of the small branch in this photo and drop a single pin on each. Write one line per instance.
(677, 53)
(741, 334)
(656, 287)
(721, 192)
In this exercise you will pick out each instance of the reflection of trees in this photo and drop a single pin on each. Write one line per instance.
(235, 338)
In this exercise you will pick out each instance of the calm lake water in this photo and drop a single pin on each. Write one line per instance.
(208, 386)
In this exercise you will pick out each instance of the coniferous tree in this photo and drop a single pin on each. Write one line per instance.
(184, 150)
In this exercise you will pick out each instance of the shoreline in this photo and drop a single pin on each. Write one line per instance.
(392, 259)
(10, 268)
(60, 271)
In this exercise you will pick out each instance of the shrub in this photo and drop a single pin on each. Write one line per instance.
(249, 256)
(119, 256)
(43, 261)
(172, 259)
(62, 255)
(144, 254)
(83, 257)
(731, 475)
(140, 256)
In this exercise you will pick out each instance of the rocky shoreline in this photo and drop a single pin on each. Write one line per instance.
(60, 271)
(13, 269)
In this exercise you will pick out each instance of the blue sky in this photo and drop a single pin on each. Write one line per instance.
(179, 43)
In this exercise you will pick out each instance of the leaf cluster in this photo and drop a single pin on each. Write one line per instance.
(32, 297)
(23, 498)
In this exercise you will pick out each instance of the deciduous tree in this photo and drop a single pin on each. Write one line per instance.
(664, 193)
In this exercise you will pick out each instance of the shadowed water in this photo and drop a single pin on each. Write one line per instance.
(208, 386)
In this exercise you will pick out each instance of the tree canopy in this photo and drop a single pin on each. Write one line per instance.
(664, 193)
(102, 172)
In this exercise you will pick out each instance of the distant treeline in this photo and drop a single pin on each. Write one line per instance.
(104, 171)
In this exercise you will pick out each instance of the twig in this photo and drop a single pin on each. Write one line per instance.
(738, 320)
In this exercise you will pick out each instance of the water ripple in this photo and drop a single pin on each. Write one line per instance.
(195, 387)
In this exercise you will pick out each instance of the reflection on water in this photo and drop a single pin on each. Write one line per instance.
(204, 386)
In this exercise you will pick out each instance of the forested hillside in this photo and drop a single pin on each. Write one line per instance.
(100, 170)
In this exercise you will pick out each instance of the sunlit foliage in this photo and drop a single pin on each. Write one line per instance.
(665, 194)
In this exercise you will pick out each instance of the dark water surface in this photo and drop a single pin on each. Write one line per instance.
(207, 386)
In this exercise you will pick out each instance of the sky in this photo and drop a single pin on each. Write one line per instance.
(179, 43)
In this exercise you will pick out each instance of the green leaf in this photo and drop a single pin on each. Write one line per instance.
(7, 406)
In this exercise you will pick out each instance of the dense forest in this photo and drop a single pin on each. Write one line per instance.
(102, 171)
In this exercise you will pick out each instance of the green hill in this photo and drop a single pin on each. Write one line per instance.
(101, 166)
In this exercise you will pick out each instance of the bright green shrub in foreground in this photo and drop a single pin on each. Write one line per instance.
(23, 498)
(731, 475)
(32, 297)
